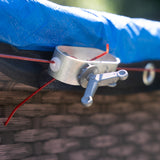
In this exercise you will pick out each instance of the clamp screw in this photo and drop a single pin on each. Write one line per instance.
(91, 81)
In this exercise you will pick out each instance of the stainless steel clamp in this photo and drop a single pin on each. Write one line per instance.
(73, 66)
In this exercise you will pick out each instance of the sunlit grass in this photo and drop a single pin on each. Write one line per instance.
(100, 5)
(137, 8)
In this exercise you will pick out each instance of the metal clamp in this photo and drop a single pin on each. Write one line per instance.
(73, 66)
(70, 60)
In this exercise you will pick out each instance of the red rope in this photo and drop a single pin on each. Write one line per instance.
(25, 58)
(20, 104)
(37, 60)
(101, 55)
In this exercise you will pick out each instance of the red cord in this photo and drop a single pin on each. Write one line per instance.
(25, 58)
(19, 105)
(101, 55)
(47, 61)
(43, 61)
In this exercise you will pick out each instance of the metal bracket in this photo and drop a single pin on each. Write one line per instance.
(73, 66)
(70, 60)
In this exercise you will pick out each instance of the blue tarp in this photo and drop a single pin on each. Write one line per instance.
(42, 25)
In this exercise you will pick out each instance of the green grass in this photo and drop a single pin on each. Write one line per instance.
(100, 5)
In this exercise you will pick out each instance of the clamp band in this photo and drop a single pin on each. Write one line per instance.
(73, 59)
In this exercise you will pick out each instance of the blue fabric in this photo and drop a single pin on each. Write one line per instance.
(42, 25)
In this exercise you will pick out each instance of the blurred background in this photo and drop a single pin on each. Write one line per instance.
(55, 126)
(149, 9)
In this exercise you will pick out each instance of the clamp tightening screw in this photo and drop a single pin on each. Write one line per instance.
(90, 80)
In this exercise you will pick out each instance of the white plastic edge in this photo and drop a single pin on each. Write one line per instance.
(55, 66)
